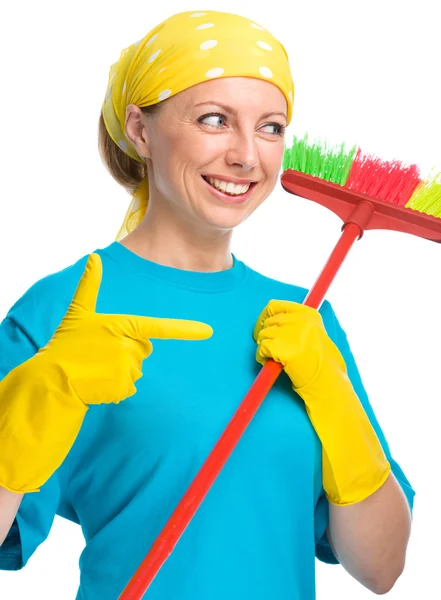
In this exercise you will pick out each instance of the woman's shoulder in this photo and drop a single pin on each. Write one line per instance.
(41, 307)
(282, 290)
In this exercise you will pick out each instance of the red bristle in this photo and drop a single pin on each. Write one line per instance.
(390, 181)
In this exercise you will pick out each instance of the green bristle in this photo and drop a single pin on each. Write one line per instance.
(317, 159)
(286, 158)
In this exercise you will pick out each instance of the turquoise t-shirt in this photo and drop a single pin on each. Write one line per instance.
(258, 531)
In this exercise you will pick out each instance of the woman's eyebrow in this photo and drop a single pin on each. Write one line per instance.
(233, 111)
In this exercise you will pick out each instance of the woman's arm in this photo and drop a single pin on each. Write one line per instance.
(9, 505)
(370, 538)
(369, 513)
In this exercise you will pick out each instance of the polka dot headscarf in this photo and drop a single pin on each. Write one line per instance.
(184, 50)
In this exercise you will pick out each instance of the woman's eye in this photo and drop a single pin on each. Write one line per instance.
(277, 128)
(212, 120)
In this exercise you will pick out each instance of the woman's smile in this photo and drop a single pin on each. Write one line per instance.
(229, 193)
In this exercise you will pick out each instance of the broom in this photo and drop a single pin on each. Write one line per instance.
(366, 192)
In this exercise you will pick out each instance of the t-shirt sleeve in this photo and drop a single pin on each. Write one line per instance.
(339, 337)
(31, 526)
(38, 509)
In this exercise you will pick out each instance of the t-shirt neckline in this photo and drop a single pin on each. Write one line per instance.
(196, 280)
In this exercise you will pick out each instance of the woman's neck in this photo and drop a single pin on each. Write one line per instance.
(166, 240)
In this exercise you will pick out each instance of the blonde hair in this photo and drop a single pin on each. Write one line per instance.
(126, 171)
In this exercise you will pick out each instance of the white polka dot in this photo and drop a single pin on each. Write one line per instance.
(264, 45)
(109, 91)
(154, 55)
(122, 144)
(199, 14)
(208, 44)
(290, 95)
(205, 26)
(257, 27)
(152, 39)
(124, 87)
(216, 72)
(164, 94)
(160, 70)
(266, 72)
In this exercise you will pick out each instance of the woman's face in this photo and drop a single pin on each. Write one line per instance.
(229, 130)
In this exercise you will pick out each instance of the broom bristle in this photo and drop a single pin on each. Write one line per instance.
(427, 196)
(317, 158)
(391, 181)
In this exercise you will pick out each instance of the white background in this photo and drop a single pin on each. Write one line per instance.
(365, 72)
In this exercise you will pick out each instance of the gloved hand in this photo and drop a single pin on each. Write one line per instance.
(354, 463)
(91, 359)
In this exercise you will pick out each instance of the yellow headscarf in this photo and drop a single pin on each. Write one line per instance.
(184, 50)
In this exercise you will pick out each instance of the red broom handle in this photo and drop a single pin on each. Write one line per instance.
(201, 484)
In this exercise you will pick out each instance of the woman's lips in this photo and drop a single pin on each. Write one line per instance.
(227, 198)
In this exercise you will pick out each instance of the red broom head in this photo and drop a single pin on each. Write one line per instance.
(342, 179)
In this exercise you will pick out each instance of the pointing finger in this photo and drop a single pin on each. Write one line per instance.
(87, 291)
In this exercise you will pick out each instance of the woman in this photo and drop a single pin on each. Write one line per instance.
(193, 122)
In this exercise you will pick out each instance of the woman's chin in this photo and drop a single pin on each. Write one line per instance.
(224, 218)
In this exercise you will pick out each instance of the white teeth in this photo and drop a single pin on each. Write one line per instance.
(222, 185)
(228, 187)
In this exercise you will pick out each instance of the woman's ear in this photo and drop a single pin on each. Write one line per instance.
(136, 130)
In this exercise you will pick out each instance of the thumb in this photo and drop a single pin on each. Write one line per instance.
(163, 329)
(87, 291)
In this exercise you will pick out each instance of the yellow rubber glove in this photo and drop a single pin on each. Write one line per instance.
(91, 359)
(354, 463)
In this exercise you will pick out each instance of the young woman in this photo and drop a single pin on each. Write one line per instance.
(192, 125)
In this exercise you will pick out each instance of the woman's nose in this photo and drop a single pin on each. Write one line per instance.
(243, 152)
